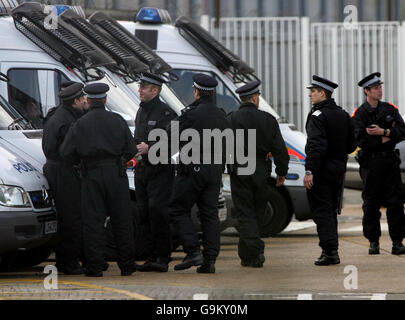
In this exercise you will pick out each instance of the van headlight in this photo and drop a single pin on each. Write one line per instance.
(226, 183)
(11, 196)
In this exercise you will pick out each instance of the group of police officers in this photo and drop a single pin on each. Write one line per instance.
(87, 149)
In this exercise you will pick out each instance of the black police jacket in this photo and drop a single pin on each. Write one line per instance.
(203, 114)
(268, 135)
(56, 126)
(98, 135)
(154, 114)
(386, 116)
(330, 136)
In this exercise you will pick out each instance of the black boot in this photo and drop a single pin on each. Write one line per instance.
(71, 268)
(327, 258)
(256, 262)
(159, 265)
(192, 259)
(398, 247)
(374, 248)
(208, 266)
(129, 270)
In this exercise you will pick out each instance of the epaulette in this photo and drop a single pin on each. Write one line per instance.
(393, 105)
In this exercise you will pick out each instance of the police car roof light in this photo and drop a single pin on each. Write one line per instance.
(6, 6)
(62, 42)
(130, 42)
(126, 65)
(214, 51)
(63, 7)
(153, 15)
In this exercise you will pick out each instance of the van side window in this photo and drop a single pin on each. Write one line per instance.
(225, 99)
(33, 92)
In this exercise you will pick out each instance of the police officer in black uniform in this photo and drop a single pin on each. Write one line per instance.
(199, 184)
(250, 190)
(378, 128)
(153, 181)
(104, 143)
(63, 178)
(330, 140)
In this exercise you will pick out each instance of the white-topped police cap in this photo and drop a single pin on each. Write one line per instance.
(96, 90)
(318, 82)
(371, 80)
(204, 82)
(150, 78)
(249, 89)
(72, 92)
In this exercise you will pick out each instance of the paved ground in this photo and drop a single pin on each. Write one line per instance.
(289, 272)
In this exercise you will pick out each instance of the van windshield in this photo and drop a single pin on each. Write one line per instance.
(118, 101)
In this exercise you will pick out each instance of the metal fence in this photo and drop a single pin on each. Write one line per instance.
(286, 52)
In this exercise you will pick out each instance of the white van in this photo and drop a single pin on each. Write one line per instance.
(186, 59)
(27, 218)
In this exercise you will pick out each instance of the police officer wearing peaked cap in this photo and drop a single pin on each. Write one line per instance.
(152, 181)
(330, 140)
(104, 143)
(198, 183)
(63, 179)
(250, 191)
(378, 128)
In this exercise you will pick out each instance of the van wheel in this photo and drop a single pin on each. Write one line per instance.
(276, 217)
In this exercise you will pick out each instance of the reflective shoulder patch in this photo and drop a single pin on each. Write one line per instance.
(393, 105)
(317, 113)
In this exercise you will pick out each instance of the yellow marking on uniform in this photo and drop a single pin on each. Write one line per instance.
(130, 294)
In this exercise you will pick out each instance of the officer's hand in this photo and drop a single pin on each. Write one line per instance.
(280, 181)
(308, 181)
(143, 148)
(375, 130)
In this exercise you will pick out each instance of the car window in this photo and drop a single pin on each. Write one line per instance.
(225, 99)
(33, 92)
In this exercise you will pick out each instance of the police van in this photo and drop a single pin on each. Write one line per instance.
(190, 49)
(27, 218)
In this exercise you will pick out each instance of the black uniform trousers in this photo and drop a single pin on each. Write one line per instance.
(65, 187)
(323, 200)
(153, 186)
(382, 187)
(199, 184)
(249, 196)
(106, 193)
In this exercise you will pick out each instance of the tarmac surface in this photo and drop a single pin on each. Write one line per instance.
(289, 272)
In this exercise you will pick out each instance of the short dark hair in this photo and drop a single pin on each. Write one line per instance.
(204, 93)
(246, 99)
(328, 94)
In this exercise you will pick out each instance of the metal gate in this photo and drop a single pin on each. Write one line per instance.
(345, 55)
(272, 46)
(286, 52)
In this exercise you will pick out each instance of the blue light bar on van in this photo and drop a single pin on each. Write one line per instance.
(153, 15)
(60, 8)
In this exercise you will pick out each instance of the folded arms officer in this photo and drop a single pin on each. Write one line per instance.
(104, 143)
(250, 191)
(63, 179)
(330, 140)
(153, 181)
(378, 128)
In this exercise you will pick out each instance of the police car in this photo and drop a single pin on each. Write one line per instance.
(189, 50)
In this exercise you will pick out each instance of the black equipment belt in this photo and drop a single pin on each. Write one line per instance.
(59, 163)
(106, 162)
(383, 154)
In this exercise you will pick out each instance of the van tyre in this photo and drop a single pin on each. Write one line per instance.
(277, 215)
